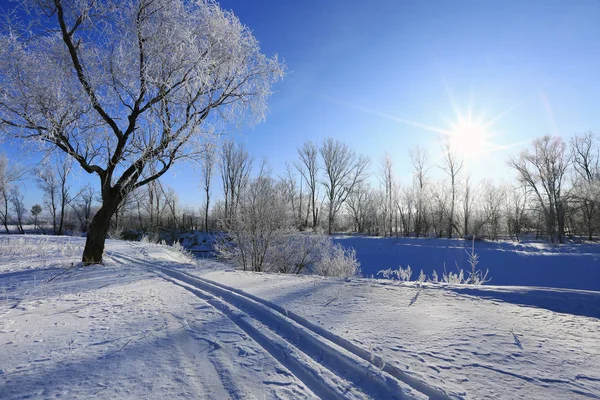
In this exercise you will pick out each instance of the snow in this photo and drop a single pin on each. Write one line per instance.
(528, 263)
(153, 322)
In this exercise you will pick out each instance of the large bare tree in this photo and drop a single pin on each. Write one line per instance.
(543, 170)
(124, 87)
(586, 161)
(343, 171)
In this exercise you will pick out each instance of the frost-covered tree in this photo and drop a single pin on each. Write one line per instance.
(235, 165)
(418, 158)
(207, 164)
(344, 169)
(82, 206)
(9, 174)
(585, 151)
(309, 169)
(452, 165)
(387, 179)
(543, 169)
(36, 210)
(52, 179)
(18, 207)
(125, 87)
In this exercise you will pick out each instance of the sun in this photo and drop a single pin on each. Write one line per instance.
(468, 138)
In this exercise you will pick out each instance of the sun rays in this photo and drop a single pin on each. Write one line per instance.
(467, 136)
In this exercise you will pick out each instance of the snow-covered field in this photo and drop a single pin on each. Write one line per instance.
(152, 323)
(529, 263)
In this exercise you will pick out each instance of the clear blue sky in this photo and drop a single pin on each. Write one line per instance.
(362, 71)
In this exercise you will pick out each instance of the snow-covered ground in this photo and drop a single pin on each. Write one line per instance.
(152, 323)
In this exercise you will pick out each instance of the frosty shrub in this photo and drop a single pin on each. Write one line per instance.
(402, 274)
(454, 278)
(291, 252)
(473, 277)
(182, 250)
(261, 237)
(334, 260)
(476, 277)
(422, 277)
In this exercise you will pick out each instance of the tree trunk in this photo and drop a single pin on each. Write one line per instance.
(96, 236)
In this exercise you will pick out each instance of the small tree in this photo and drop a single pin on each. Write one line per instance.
(36, 210)
(207, 163)
(125, 88)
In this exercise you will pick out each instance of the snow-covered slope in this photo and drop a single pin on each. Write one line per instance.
(151, 323)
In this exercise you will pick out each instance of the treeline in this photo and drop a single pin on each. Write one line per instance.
(329, 187)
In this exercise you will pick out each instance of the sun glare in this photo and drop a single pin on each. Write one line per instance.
(468, 138)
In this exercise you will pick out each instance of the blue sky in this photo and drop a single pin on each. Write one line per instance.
(371, 73)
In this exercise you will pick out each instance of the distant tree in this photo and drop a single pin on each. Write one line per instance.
(309, 169)
(82, 206)
(467, 204)
(359, 203)
(293, 196)
(52, 178)
(9, 174)
(388, 182)
(235, 164)
(18, 207)
(261, 220)
(585, 151)
(516, 205)
(125, 88)
(543, 169)
(343, 171)
(418, 158)
(452, 165)
(36, 210)
(208, 158)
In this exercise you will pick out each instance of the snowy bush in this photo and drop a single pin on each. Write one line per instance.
(290, 251)
(402, 274)
(473, 277)
(182, 250)
(422, 277)
(261, 237)
(453, 278)
(334, 260)
(476, 277)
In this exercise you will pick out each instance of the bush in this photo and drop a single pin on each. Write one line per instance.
(288, 251)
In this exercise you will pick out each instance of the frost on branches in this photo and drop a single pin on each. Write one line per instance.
(261, 237)
(127, 88)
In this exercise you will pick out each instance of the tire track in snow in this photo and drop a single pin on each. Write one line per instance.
(343, 357)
